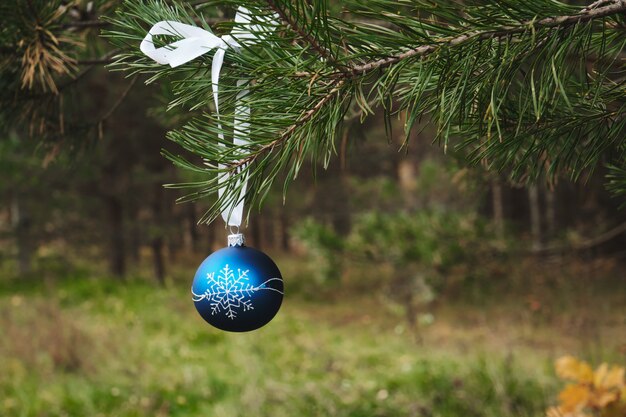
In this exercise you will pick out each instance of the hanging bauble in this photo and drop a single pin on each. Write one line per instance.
(237, 288)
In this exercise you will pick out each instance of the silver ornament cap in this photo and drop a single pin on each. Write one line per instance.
(236, 239)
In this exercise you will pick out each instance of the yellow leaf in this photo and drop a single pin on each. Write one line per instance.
(611, 379)
(602, 399)
(568, 367)
(573, 398)
(600, 374)
(554, 412)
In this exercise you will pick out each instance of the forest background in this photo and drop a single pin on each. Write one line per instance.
(416, 284)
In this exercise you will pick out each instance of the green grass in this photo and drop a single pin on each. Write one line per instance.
(96, 347)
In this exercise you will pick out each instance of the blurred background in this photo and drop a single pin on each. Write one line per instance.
(414, 284)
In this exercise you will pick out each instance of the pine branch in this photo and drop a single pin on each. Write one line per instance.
(84, 24)
(81, 24)
(548, 22)
(587, 14)
(526, 92)
(104, 60)
(119, 101)
(305, 35)
(100, 122)
(304, 118)
(599, 3)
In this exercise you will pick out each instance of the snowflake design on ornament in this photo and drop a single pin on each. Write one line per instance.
(228, 294)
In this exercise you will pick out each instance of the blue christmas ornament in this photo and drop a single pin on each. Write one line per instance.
(237, 288)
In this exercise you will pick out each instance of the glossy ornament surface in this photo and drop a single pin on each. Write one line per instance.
(237, 289)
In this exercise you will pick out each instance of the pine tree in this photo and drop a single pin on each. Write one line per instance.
(47, 48)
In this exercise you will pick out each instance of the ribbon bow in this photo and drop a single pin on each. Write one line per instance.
(197, 42)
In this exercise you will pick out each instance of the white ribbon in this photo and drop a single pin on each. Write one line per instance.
(196, 42)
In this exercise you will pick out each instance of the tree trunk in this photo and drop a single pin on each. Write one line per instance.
(190, 236)
(159, 263)
(157, 240)
(535, 217)
(284, 229)
(173, 237)
(135, 237)
(340, 207)
(256, 231)
(268, 229)
(498, 207)
(117, 253)
(210, 233)
(22, 227)
(407, 179)
(551, 213)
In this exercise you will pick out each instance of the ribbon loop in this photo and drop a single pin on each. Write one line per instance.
(196, 42)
